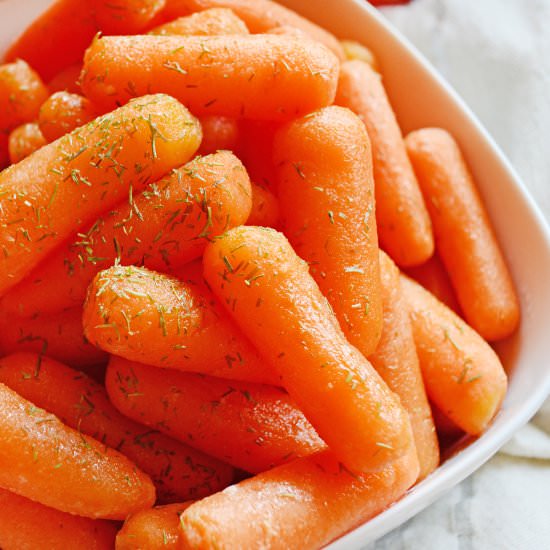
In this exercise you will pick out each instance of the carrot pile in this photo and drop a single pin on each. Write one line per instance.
(204, 329)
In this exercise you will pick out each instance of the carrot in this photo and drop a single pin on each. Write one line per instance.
(28, 525)
(166, 226)
(259, 16)
(462, 373)
(326, 195)
(155, 529)
(68, 183)
(250, 426)
(21, 94)
(447, 430)
(46, 461)
(304, 504)
(67, 80)
(59, 336)
(287, 30)
(209, 22)
(178, 472)
(355, 50)
(403, 223)
(265, 207)
(63, 112)
(433, 277)
(464, 236)
(56, 39)
(125, 16)
(218, 133)
(396, 361)
(25, 140)
(220, 75)
(267, 289)
(160, 321)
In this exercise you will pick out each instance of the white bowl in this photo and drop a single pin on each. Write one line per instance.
(420, 98)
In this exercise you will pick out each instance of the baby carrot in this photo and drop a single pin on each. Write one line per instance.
(59, 336)
(25, 140)
(209, 22)
(21, 94)
(46, 461)
(356, 51)
(218, 133)
(166, 322)
(259, 16)
(178, 472)
(304, 504)
(287, 30)
(220, 75)
(28, 525)
(396, 361)
(403, 223)
(67, 80)
(447, 430)
(56, 39)
(326, 195)
(269, 292)
(63, 112)
(265, 207)
(462, 373)
(70, 182)
(154, 529)
(251, 426)
(125, 16)
(164, 227)
(464, 236)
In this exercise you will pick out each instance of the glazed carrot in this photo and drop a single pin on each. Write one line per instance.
(287, 30)
(28, 525)
(447, 430)
(218, 133)
(304, 504)
(462, 373)
(56, 39)
(396, 361)
(62, 113)
(21, 94)
(24, 140)
(165, 227)
(209, 22)
(154, 529)
(125, 16)
(251, 426)
(178, 472)
(259, 16)
(68, 183)
(464, 236)
(326, 196)
(59, 336)
(269, 292)
(433, 277)
(265, 207)
(46, 461)
(355, 50)
(67, 80)
(220, 75)
(403, 223)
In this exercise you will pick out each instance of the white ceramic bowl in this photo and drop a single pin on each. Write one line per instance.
(421, 98)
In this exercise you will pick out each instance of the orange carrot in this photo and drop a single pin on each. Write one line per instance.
(269, 292)
(356, 51)
(46, 461)
(56, 39)
(209, 22)
(21, 94)
(403, 222)
(218, 133)
(67, 80)
(158, 320)
(220, 75)
(155, 529)
(59, 336)
(462, 373)
(69, 183)
(265, 207)
(259, 16)
(464, 236)
(25, 140)
(326, 194)
(63, 112)
(251, 426)
(178, 472)
(287, 30)
(165, 227)
(125, 16)
(447, 430)
(28, 525)
(396, 361)
(304, 504)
